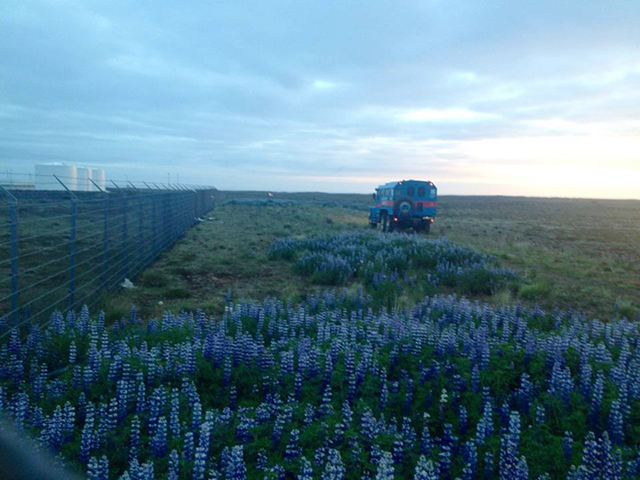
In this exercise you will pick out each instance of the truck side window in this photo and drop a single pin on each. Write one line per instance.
(411, 191)
(421, 191)
(433, 192)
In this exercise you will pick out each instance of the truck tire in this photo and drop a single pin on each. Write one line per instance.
(426, 228)
(403, 203)
(373, 226)
(385, 223)
(392, 225)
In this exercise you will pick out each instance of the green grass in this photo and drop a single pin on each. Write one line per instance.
(570, 253)
(229, 250)
(576, 253)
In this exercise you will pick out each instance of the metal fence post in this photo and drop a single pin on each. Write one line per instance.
(105, 236)
(72, 246)
(140, 262)
(13, 242)
(125, 252)
(154, 227)
(105, 239)
(13, 213)
(172, 217)
(195, 206)
(72, 254)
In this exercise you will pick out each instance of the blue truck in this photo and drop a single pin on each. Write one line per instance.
(403, 205)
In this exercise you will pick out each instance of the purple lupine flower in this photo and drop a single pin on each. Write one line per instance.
(611, 463)
(196, 416)
(52, 434)
(425, 470)
(385, 468)
(204, 440)
(368, 425)
(510, 466)
(188, 445)
(567, 445)
(112, 415)
(199, 464)
(226, 374)
(334, 468)
(87, 438)
(69, 420)
(309, 415)
(470, 455)
(146, 471)
(524, 393)
(174, 466)
(616, 423)
(426, 442)
(72, 352)
(444, 462)
(463, 420)
(93, 469)
(306, 470)
(141, 399)
(159, 439)
(235, 468)
(293, 449)
(103, 468)
(522, 471)
(596, 397)
(174, 414)
(134, 440)
(488, 464)
(484, 428)
(278, 427)
(398, 449)
(540, 415)
(591, 457)
(326, 409)
(156, 408)
(384, 395)
(262, 460)
(467, 473)
(20, 407)
(448, 438)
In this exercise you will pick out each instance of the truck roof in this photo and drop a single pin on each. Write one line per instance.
(393, 184)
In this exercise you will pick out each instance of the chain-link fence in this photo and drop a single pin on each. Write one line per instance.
(61, 249)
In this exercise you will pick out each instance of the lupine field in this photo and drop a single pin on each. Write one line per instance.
(389, 264)
(342, 384)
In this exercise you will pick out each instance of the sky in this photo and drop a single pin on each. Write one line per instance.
(535, 98)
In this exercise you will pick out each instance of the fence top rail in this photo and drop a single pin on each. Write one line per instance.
(52, 198)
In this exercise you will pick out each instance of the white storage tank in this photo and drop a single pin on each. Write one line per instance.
(100, 178)
(45, 179)
(83, 183)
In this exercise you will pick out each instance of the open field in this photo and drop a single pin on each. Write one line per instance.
(582, 254)
(285, 339)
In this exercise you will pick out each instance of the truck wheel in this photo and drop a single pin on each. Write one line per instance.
(373, 226)
(392, 225)
(426, 227)
(385, 223)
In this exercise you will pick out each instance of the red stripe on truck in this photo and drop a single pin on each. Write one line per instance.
(389, 203)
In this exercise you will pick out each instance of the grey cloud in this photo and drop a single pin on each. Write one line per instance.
(238, 89)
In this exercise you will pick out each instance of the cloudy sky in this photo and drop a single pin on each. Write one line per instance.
(481, 97)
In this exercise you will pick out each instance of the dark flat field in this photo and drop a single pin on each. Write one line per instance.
(582, 254)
